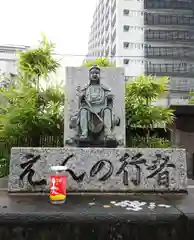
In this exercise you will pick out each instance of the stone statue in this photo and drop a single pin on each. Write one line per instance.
(95, 120)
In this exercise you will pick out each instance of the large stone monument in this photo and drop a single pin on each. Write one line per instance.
(95, 115)
(94, 138)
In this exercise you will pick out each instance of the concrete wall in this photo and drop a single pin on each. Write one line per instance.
(185, 140)
(182, 136)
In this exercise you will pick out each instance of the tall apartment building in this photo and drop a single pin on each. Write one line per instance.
(147, 37)
(102, 39)
(152, 37)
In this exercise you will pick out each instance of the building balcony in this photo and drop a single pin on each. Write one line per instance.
(113, 21)
(156, 19)
(113, 52)
(183, 53)
(107, 3)
(107, 53)
(107, 26)
(163, 4)
(113, 8)
(177, 97)
(113, 37)
(169, 35)
(169, 39)
(170, 70)
(171, 74)
(113, 3)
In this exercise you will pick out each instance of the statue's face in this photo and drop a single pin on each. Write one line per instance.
(94, 75)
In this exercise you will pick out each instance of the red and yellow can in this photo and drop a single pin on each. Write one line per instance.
(58, 184)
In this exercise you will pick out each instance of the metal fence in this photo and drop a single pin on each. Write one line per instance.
(5, 148)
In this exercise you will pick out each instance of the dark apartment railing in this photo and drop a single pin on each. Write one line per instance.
(170, 52)
(179, 97)
(169, 35)
(172, 74)
(160, 19)
(162, 4)
(173, 70)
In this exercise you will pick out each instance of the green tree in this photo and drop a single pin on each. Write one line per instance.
(100, 62)
(140, 110)
(38, 62)
(191, 95)
(28, 111)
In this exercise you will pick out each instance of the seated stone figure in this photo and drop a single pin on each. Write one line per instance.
(95, 120)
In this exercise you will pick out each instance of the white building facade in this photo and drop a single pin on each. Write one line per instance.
(8, 58)
(117, 32)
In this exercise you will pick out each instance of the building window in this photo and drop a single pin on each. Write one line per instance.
(125, 12)
(126, 44)
(126, 78)
(126, 61)
(126, 28)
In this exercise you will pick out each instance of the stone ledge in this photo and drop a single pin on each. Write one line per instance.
(185, 204)
(89, 217)
(83, 208)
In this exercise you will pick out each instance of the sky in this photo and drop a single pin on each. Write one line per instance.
(65, 22)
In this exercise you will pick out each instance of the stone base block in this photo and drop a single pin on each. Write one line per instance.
(100, 169)
(86, 143)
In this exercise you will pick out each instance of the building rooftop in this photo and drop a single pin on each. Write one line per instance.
(13, 46)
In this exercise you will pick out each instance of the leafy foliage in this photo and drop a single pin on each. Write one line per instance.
(139, 97)
(28, 110)
(191, 100)
(100, 62)
(152, 142)
(39, 61)
(140, 110)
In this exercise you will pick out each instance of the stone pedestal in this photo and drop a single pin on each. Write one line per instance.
(100, 169)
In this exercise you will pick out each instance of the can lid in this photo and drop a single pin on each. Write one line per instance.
(58, 168)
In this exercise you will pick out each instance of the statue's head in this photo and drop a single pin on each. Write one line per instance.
(94, 75)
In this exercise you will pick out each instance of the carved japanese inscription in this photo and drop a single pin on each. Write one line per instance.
(95, 169)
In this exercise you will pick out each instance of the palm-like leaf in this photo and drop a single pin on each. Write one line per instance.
(138, 99)
(100, 62)
(38, 62)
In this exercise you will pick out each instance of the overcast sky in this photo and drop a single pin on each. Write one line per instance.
(65, 22)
